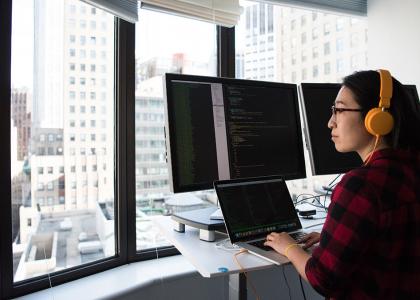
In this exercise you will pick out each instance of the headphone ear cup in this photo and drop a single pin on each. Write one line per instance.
(378, 122)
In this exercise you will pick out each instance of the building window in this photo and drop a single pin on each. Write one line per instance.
(327, 68)
(326, 48)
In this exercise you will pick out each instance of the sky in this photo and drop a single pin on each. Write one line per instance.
(154, 39)
(22, 43)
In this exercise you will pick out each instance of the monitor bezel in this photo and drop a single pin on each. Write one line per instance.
(316, 169)
(169, 128)
(413, 88)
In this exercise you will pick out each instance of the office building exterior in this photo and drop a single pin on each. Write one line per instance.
(21, 117)
(151, 167)
(294, 45)
(74, 92)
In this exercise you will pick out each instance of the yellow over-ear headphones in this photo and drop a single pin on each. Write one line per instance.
(378, 121)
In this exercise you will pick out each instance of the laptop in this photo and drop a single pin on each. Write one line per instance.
(254, 207)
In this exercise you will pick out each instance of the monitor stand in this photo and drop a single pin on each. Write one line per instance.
(217, 215)
(200, 219)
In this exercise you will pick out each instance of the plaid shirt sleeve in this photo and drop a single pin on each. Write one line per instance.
(349, 226)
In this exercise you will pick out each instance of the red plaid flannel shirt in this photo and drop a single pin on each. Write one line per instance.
(370, 243)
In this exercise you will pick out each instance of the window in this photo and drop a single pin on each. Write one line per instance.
(315, 52)
(327, 68)
(315, 71)
(304, 74)
(315, 33)
(303, 38)
(340, 23)
(340, 45)
(40, 186)
(303, 20)
(327, 29)
(326, 48)
(63, 33)
(340, 65)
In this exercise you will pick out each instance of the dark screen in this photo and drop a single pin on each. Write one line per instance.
(193, 133)
(325, 159)
(412, 90)
(261, 126)
(255, 208)
(262, 131)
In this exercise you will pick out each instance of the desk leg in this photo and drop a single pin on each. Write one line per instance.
(237, 287)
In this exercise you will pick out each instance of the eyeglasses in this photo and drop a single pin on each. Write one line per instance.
(336, 110)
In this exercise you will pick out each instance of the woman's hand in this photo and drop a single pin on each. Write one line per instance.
(279, 241)
(309, 239)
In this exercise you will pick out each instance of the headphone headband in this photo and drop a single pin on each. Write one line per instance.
(385, 92)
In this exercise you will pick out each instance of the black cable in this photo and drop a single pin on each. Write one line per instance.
(301, 286)
(287, 284)
(330, 186)
(316, 197)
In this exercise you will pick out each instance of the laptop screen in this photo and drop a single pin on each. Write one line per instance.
(255, 207)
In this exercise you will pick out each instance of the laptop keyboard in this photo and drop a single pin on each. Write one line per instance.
(260, 244)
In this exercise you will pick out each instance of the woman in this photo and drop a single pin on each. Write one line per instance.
(369, 247)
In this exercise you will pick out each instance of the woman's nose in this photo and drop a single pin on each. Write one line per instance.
(331, 122)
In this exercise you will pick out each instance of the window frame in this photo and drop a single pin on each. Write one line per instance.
(125, 218)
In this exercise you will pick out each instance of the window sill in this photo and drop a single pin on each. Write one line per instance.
(120, 281)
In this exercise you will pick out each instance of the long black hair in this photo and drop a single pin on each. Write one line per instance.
(404, 108)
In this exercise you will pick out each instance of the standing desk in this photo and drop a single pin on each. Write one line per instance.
(211, 261)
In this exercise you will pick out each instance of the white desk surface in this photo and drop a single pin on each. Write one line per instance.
(205, 257)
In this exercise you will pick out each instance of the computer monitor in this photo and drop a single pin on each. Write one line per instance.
(412, 90)
(316, 100)
(223, 128)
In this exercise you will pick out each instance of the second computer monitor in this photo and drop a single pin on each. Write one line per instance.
(316, 100)
(221, 128)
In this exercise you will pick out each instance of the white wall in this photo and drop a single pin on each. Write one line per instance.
(394, 38)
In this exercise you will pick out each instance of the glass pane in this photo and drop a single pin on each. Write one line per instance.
(284, 44)
(164, 43)
(62, 171)
(296, 45)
